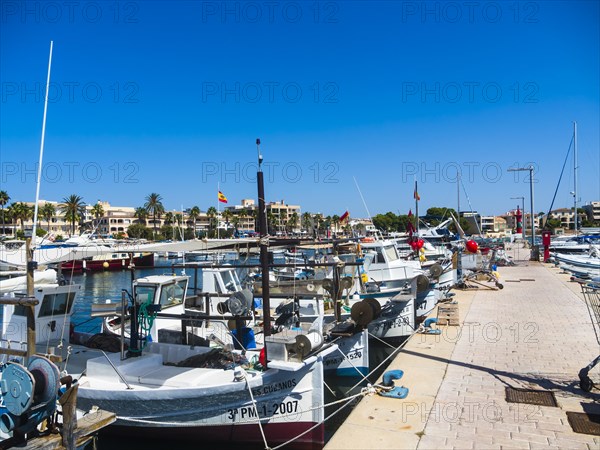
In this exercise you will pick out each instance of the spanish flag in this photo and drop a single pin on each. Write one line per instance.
(222, 198)
(416, 194)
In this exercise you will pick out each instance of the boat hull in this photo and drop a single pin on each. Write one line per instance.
(207, 404)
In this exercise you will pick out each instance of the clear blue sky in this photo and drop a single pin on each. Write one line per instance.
(169, 97)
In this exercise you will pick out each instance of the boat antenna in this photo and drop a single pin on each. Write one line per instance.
(39, 173)
(264, 247)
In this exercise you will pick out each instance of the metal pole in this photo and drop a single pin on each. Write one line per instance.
(523, 209)
(575, 217)
(30, 309)
(532, 217)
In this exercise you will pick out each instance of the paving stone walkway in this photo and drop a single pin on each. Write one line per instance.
(533, 334)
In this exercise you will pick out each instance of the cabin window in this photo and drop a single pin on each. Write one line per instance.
(173, 294)
(391, 253)
(144, 294)
(52, 305)
(379, 259)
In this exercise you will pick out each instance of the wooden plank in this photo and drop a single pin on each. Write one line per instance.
(87, 427)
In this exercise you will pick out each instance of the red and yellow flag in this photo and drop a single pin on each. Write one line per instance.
(344, 216)
(222, 198)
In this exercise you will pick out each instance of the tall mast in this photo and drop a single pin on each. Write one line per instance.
(39, 173)
(458, 193)
(575, 217)
(264, 249)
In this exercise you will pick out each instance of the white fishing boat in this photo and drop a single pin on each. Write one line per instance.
(174, 391)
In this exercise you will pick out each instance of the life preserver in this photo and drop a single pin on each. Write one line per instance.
(367, 239)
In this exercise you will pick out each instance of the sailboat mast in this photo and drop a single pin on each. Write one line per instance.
(39, 173)
(575, 216)
(458, 193)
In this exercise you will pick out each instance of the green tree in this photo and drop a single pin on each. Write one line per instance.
(48, 211)
(98, 211)
(212, 214)
(194, 214)
(4, 198)
(73, 207)
(155, 208)
(21, 212)
(139, 231)
(169, 218)
(307, 221)
(292, 222)
(141, 215)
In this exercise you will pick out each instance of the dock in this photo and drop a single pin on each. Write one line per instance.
(535, 334)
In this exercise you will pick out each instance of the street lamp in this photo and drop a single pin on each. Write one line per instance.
(530, 169)
(522, 209)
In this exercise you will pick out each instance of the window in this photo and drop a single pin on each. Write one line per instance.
(172, 294)
(144, 294)
(391, 253)
(52, 305)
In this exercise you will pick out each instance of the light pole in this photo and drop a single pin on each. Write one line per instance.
(530, 169)
(522, 209)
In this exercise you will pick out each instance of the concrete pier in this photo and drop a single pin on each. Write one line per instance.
(536, 333)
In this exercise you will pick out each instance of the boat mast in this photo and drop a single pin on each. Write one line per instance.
(264, 247)
(39, 173)
(458, 192)
(575, 217)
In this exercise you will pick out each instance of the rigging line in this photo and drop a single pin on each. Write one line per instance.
(469, 202)
(561, 175)
(262, 432)
(363, 200)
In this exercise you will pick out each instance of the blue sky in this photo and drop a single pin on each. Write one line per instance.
(169, 97)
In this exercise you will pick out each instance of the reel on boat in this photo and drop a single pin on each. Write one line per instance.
(365, 311)
(28, 394)
(436, 270)
(239, 304)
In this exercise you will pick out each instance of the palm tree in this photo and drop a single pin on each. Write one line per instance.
(271, 219)
(154, 207)
(4, 198)
(97, 210)
(48, 211)
(194, 214)
(169, 218)
(73, 207)
(211, 213)
(307, 221)
(293, 221)
(21, 211)
(141, 214)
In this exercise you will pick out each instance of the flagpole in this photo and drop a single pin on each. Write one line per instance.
(416, 195)
(218, 210)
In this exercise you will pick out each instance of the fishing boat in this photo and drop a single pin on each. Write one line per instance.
(174, 391)
(116, 260)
